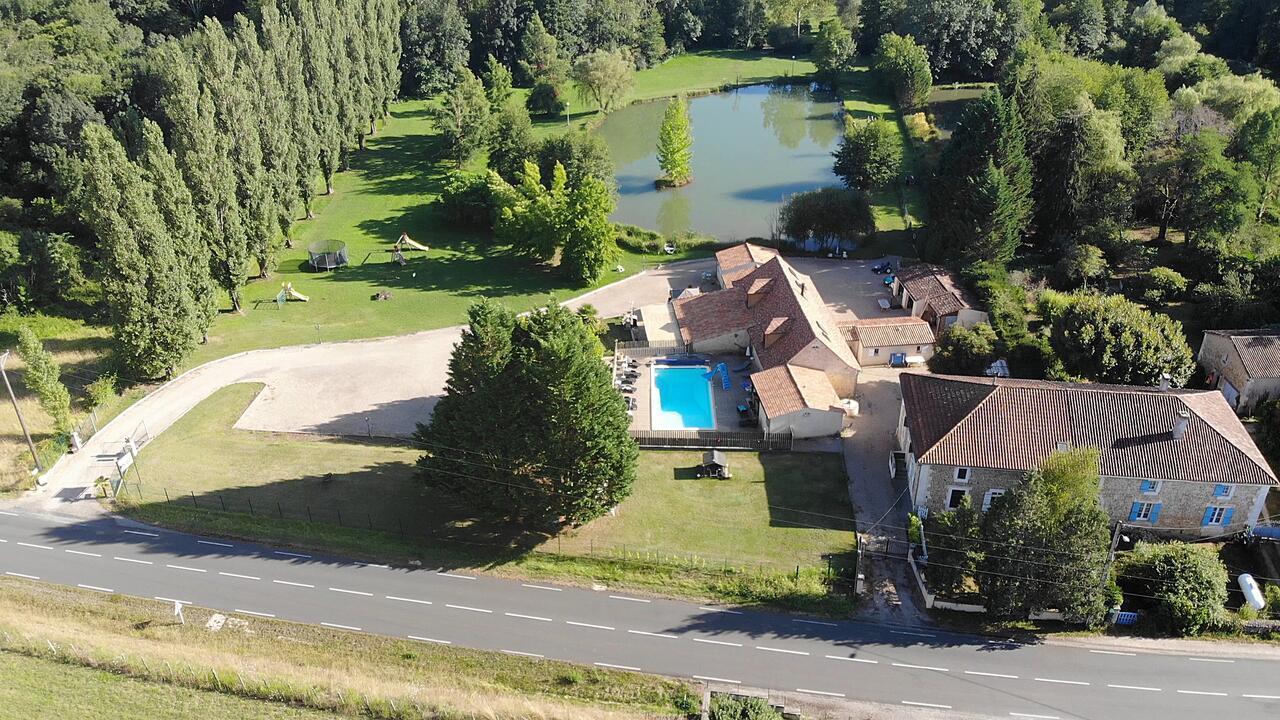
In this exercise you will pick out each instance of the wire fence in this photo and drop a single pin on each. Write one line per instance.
(715, 439)
(479, 546)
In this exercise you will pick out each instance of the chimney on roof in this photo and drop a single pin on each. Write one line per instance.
(1165, 382)
(1180, 425)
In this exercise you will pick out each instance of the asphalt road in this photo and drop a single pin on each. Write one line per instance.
(876, 663)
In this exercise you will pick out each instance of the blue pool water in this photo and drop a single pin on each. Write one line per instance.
(682, 399)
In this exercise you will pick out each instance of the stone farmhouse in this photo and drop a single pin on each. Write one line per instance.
(1176, 461)
(1244, 365)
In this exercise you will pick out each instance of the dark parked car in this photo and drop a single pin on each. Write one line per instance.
(882, 268)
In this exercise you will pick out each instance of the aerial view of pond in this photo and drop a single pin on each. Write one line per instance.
(752, 147)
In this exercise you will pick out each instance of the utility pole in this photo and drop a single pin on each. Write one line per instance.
(4, 358)
(1111, 554)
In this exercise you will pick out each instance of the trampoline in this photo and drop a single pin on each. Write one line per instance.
(327, 254)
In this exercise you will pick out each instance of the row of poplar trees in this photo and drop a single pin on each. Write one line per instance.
(228, 132)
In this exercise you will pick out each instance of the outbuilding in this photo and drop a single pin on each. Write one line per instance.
(875, 341)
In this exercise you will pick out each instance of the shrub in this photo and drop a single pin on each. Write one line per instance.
(730, 707)
(964, 351)
(475, 199)
(545, 98)
(1162, 284)
(100, 391)
(1006, 302)
(870, 156)
(827, 214)
(1271, 593)
(914, 529)
(1188, 584)
(642, 240)
(43, 379)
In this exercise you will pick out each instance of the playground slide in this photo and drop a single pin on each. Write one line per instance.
(413, 244)
(293, 294)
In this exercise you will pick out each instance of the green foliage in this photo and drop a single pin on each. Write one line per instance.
(512, 142)
(1081, 263)
(589, 248)
(905, 68)
(1047, 542)
(539, 407)
(497, 84)
(1085, 23)
(571, 220)
(870, 156)
(475, 199)
(100, 391)
(1161, 284)
(1005, 302)
(604, 78)
(583, 155)
(966, 38)
(964, 351)
(1268, 415)
(435, 38)
(731, 707)
(540, 55)
(954, 550)
(980, 211)
(915, 528)
(1188, 584)
(546, 98)
(826, 214)
(1110, 339)
(1217, 197)
(675, 143)
(832, 50)
(43, 379)
(1271, 594)
(462, 118)
(1258, 142)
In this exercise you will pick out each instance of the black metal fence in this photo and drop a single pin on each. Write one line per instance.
(712, 439)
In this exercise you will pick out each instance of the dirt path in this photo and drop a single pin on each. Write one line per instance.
(381, 387)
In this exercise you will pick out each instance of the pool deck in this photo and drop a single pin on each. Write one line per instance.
(724, 402)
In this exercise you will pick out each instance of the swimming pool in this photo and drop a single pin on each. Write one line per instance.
(682, 398)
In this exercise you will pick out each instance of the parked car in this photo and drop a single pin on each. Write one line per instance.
(888, 280)
(882, 268)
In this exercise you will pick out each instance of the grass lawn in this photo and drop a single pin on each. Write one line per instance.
(86, 692)
(300, 487)
(351, 674)
(757, 516)
(864, 97)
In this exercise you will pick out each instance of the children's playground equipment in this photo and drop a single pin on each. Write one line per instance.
(327, 254)
(287, 293)
(723, 370)
(406, 242)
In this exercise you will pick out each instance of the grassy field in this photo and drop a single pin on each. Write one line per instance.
(778, 509)
(352, 674)
(85, 692)
(203, 475)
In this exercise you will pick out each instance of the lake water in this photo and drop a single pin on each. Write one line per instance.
(752, 148)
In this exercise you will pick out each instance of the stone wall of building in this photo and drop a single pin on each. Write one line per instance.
(1182, 505)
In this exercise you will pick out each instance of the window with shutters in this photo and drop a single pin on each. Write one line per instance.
(1144, 511)
(1150, 487)
(956, 496)
(1223, 491)
(1216, 515)
(990, 497)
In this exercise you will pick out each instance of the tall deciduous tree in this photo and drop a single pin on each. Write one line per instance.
(43, 378)
(462, 117)
(904, 65)
(511, 142)
(589, 245)
(1258, 142)
(539, 57)
(1110, 339)
(604, 78)
(435, 37)
(1217, 196)
(152, 315)
(832, 50)
(1085, 22)
(675, 143)
(870, 156)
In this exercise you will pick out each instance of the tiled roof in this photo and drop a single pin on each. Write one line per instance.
(1011, 424)
(785, 293)
(935, 286)
(789, 388)
(740, 260)
(1259, 350)
(891, 331)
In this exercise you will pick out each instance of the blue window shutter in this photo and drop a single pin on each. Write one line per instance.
(1146, 486)
(1133, 511)
(1226, 516)
(1208, 515)
(1221, 491)
(1155, 513)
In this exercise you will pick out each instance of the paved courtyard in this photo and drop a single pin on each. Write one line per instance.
(848, 286)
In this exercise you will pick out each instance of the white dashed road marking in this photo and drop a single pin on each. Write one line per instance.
(994, 675)
(541, 587)
(140, 562)
(455, 576)
(95, 587)
(523, 654)
(1212, 660)
(352, 592)
(37, 547)
(587, 625)
(1029, 715)
(82, 552)
(528, 617)
(430, 640)
(471, 609)
(1202, 692)
(1112, 652)
(921, 667)
(708, 678)
(10, 514)
(817, 622)
(853, 659)
(294, 584)
(215, 544)
(238, 575)
(22, 575)
(340, 627)
(1062, 682)
(628, 599)
(1135, 687)
(1262, 697)
(144, 534)
(925, 704)
(251, 612)
(717, 642)
(916, 634)
(719, 610)
(652, 634)
(408, 600)
(820, 692)
(618, 667)
(184, 567)
(781, 650)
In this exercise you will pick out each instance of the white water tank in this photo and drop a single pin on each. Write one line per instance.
(1252, 593)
